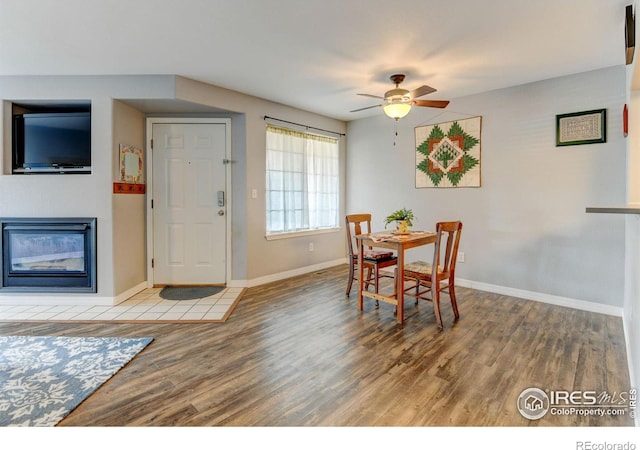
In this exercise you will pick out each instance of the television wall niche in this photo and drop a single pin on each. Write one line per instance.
(51, 138)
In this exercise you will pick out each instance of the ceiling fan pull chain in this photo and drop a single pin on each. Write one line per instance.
(395, 129)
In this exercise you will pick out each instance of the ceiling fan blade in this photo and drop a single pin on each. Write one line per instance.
(368, 107)
(431, 103)
(422, 90)
(373, 96)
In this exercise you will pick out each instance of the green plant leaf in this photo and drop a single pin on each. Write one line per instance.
(400, 214)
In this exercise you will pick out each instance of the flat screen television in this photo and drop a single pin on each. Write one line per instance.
(57, 142)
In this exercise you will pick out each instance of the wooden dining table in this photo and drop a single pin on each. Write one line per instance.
(400, 242)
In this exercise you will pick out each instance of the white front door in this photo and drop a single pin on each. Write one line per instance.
(189, 203)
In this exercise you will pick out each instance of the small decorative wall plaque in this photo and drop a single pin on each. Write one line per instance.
(131, 171)
(131, 164)
(129, 188)
(585, 127)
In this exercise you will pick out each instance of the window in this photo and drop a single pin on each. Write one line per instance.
(302, 181)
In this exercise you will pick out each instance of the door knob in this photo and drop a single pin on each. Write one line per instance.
(221, 212)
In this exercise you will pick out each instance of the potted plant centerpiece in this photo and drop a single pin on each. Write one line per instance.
(403, 219)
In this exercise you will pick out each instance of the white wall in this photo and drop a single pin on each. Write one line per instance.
(526, 228)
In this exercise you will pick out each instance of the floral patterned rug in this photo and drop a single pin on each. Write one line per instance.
(42, 379)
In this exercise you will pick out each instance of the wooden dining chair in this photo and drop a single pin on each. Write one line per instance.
(438, 276)
(372, 260)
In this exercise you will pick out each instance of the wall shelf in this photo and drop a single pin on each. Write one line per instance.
(614, 209)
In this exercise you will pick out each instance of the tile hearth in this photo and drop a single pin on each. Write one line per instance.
(146, 306)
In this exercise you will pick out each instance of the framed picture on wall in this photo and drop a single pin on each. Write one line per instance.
(131, 164)
(585, 127)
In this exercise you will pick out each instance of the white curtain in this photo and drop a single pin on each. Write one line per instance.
(302, 181)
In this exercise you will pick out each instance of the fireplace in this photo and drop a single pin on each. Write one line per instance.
(48, 254)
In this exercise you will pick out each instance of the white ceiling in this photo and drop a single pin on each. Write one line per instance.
(316, 54)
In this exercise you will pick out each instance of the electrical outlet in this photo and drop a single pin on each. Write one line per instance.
(461, 257)
(254, 193)
(310, 246)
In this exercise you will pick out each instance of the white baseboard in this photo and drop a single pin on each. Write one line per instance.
(69, 299)
(55, 300)
(288, 274)
(544, 298)
(520, 293)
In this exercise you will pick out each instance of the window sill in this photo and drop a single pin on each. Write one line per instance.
(295, 234)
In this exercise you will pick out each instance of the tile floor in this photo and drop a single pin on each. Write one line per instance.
(146, 306)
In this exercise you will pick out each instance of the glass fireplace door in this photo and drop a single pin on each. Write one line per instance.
(49, 255)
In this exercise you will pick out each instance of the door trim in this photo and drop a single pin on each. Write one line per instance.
(149, 169)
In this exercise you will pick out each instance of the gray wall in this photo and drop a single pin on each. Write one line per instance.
(80, 195)
(526, 227)
(129, 224)
(119, 105)
(265, 259)
(632, 274)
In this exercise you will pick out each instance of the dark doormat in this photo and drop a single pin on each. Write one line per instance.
(188, 292)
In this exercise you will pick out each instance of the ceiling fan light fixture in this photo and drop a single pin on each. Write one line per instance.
(397, 110)
(398, 102)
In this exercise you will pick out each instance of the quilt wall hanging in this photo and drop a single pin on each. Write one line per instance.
(448, 154)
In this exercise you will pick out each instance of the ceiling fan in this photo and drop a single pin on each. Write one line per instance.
(398, 101)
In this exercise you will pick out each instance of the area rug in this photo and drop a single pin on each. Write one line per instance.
(188, 292)
(42, 379)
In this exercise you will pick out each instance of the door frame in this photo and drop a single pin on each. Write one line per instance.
(149, 188)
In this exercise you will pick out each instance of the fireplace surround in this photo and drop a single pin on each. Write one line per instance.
(48, 255)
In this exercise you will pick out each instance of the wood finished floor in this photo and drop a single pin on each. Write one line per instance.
(299, 353)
